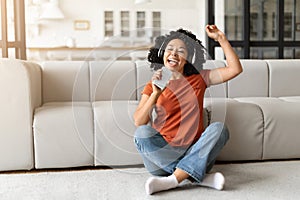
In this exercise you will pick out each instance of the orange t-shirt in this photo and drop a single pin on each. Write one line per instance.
(179, 109)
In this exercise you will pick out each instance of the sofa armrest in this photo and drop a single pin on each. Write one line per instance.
(20, 86)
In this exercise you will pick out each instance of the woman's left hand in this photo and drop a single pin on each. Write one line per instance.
(213, 32)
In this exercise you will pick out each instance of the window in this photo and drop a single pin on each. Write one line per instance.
(156, 23)
(108, 23)
(257, 29)
(258, 26)
(140, 23)
(125, 21)
(288, 23)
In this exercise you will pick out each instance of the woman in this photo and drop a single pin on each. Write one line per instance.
(176, 147)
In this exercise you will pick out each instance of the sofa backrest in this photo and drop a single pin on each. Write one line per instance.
(125, 80)
(219, 90)
(252, 82)
(112, 80)
(143, 75)
(88, 81)
(284, 77)
(65, 81)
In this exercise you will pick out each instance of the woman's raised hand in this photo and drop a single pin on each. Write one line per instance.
(213, 32)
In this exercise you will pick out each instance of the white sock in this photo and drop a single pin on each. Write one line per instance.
(214, 180)
(156, 184)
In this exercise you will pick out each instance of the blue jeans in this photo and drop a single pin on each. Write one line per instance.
(161, 159)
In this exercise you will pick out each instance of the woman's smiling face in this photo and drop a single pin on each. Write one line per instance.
(175, 55)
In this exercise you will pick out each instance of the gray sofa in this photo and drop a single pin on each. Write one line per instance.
(62, 114)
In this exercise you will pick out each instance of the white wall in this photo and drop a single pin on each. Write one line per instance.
(201, 8)
(189, 14)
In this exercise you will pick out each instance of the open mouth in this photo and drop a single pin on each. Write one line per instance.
(172, 61)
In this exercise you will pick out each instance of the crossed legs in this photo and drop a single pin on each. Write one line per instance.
(171, 166)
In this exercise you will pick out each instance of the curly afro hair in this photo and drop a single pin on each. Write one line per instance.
(196, 51)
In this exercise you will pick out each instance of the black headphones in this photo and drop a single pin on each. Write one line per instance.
(191, 58)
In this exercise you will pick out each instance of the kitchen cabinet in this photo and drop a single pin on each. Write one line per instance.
(137, 24)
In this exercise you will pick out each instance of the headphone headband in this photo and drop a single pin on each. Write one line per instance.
(159, 53)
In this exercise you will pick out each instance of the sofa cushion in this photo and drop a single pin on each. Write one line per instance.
(281, 127)
(143, 75)
(112, 80)
(252, 82)
(65, 81)
(63, 135)
(245, 125)
(114, 130)
(284, 78)
(291, 99)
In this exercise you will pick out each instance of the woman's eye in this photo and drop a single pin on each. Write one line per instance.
(179, 51)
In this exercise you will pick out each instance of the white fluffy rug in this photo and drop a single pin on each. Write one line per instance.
(265, 180)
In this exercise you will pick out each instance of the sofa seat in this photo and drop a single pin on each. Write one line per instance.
(114, 130)
(280, 126)
(63, 135)
(245, 123)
